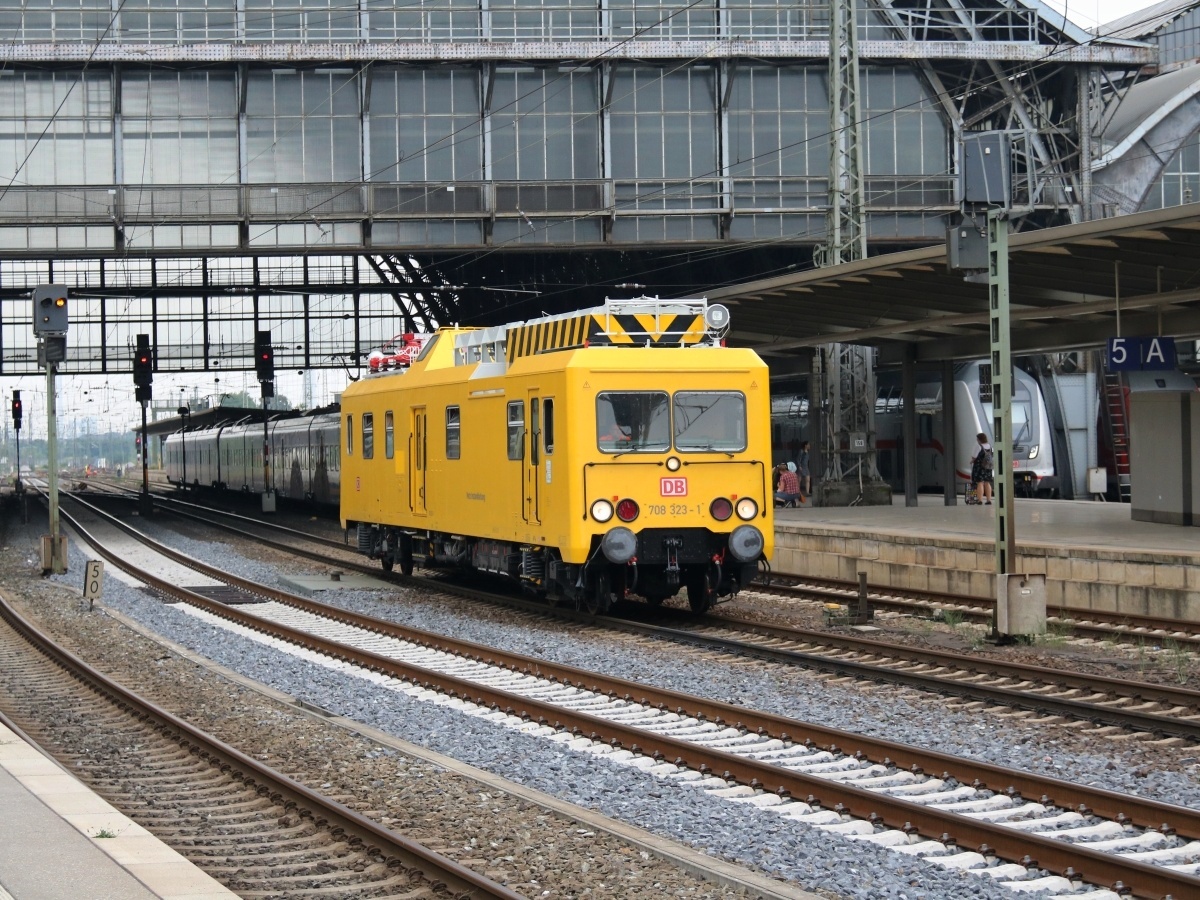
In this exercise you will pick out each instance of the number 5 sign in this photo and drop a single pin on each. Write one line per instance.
(93, 579)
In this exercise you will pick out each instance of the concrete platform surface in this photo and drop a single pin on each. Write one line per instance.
(61, 841)
(1093, 555)
(1056, 523)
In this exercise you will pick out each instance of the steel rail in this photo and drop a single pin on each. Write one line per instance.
(1053, 855)
(281, 789)
(1149, 722)
(1048, 704)
(982, 609)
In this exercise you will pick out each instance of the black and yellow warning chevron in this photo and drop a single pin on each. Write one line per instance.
(605, 329)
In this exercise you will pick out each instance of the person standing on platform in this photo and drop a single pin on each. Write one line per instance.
(982, 463)
(802, 472)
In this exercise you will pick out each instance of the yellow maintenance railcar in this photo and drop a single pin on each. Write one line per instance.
(614, 451)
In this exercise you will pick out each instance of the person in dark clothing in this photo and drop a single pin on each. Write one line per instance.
(982, 463)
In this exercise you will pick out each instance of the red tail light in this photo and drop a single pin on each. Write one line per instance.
(721, 509)
(627, 510)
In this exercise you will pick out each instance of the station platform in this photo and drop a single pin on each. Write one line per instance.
(1093, 554)
(60, 841)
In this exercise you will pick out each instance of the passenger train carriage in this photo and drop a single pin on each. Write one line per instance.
(590, 455)
(620, 449)
(304, 457)
(1034, 471)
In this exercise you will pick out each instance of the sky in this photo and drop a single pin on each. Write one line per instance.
(1089, 13)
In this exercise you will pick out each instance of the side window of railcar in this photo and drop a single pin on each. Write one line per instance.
(368, 440)
(633, 421)
(349, 435)
(516, 430)
(710, 420)
(548, 426)
(389, 434)
(453, 433)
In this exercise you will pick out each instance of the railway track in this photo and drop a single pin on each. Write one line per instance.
(1053, 694)
(1096, 624)
(256, 831)
(1106, 703)
(973, 815)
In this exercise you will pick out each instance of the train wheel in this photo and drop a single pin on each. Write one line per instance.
(405, 555)
(387, 558)
(701, 589)
(599, 593)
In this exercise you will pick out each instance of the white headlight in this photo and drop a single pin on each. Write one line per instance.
(1033, 451)
(673, 463)
(602, 510)
(747, 509)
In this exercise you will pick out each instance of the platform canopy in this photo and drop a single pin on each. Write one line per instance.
(1072, 287)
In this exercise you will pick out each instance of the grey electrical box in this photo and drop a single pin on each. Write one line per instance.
(987, 168)
(966, 247)
(1020, 604)
(858, 442)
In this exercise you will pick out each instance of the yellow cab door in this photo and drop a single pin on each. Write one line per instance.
(533, 458)
(417, 462)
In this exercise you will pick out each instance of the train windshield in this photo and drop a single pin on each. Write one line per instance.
(1022, 427)
(633, 421)
(710, 420)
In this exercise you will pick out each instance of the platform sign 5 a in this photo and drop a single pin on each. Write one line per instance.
(1136, 354)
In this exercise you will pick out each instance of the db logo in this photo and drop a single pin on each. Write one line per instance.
(673, 487)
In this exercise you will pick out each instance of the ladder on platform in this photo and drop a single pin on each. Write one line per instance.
(1116, 412)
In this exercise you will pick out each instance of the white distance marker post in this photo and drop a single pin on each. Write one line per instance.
(93, 581)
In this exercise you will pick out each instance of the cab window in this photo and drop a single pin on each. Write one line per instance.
(710, 420)
(548, 426)
(633, 421)
(349, 435)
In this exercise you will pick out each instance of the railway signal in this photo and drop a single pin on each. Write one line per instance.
(143, 368)
(264, 362)
(16, 410)
(143, 377)
(50, 313)
(264, 366)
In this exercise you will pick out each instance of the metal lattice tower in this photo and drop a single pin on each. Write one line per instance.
(849, 370)
(846, 234)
